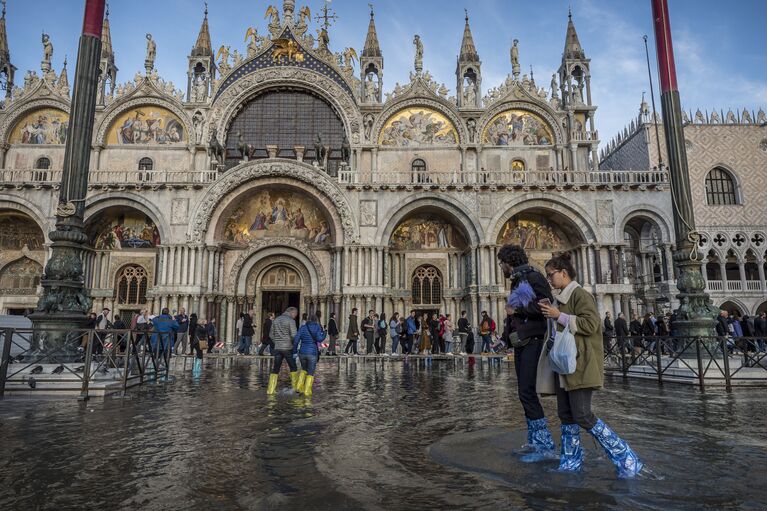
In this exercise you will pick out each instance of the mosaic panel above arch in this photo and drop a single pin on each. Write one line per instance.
(533, 232)
(427, 232)
(16, 231)
(42, 126)
(516, 127)
(278, 213)
(147, 125)
(418, 127)
(117, 229)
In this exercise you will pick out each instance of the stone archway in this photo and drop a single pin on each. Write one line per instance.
(257, 273)
(288, 172)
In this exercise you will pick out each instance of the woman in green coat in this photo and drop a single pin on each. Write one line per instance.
(575, 308)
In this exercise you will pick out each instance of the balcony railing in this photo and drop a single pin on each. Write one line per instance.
(111, 177)
(715, 285)
(425, 179)
(734, 285)
(530, 178)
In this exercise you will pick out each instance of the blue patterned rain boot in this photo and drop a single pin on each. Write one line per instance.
(626, 461)
(571, 456)
(541, 441)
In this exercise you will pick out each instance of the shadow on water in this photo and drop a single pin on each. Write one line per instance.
(376, 435)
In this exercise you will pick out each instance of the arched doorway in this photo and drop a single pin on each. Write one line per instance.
(279, 287)
(273, 278)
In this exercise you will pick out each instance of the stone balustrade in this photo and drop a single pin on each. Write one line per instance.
(147, 178)
(519, 179)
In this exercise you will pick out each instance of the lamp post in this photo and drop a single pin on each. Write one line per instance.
(65, 302)
(696, 315)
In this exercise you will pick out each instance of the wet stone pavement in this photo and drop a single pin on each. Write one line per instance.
(376, 435)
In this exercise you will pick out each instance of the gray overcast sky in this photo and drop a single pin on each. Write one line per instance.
(720, 49)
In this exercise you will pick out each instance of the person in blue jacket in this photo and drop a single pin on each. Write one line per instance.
(412, 327)
(306, 345)
(164, 327)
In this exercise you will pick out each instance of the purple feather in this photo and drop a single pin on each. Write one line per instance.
(521, 296)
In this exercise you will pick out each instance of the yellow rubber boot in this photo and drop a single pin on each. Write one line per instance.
(294, 379)
(272, 388)
(301, 381)
(308, 386)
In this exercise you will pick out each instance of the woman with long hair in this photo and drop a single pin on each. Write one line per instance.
(575, 308)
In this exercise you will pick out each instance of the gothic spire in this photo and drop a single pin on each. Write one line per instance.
(203, 47)
(63, 78)
(106, 37)
(5, 54)
(372, 49)
(573, 49)
(468, 50)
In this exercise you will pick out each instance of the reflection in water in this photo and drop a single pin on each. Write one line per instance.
(218, 442)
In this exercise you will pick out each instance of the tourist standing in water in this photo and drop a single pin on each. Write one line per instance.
(306, 346)
(283, 333)
(528, 287)
(575, 308)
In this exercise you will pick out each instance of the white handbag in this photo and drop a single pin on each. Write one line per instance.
(564, 354)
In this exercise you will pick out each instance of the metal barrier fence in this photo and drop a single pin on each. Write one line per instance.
(130, 357)
(696, 360)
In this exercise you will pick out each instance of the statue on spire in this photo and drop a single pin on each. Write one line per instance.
(418, 54)
(514, 52)
(151, 53)
(45, 65)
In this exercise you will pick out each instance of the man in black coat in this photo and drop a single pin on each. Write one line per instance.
(332, 334)
(247, 332)
(622, 331)
(528, 287)
(266, 341)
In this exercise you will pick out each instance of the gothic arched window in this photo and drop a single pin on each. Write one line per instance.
(720, 188)
(427, 286)
(131, 285)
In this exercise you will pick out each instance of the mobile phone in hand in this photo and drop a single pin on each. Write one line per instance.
(545, 301)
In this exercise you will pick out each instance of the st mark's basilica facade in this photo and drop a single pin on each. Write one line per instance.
(286, 175)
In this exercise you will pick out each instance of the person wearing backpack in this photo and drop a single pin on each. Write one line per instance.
(381, 333)
(526, 334)
(486, 331)
(577, 310)
(306, 345)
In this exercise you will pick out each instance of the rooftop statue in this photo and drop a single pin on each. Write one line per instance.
(515, 67)
(418, 54)
(151, 52)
